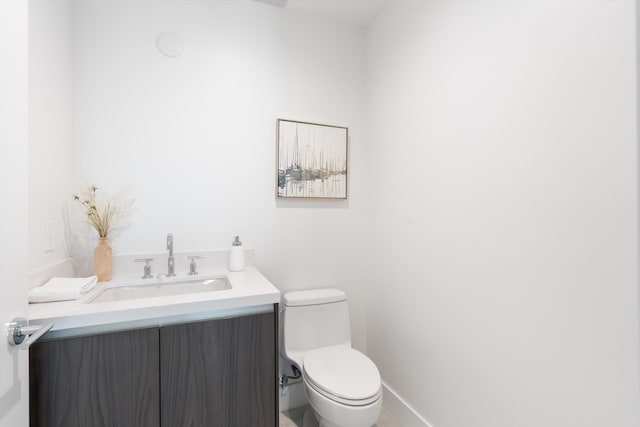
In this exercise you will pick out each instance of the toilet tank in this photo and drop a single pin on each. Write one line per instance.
(313, 319)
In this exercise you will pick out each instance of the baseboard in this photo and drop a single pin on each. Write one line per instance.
(400, 410)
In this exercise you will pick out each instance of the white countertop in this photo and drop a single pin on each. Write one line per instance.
(249, 289)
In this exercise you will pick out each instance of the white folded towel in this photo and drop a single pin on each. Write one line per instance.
(62, 289)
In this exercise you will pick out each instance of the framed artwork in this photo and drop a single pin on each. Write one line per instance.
(311, 160)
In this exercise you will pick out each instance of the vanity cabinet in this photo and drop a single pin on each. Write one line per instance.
(99, 380)
(219, 372)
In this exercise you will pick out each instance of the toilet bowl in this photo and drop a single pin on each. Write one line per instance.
(329, 413)
(342, 385)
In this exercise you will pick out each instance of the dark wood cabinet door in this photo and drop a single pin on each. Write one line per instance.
(109, 380)
(219, 373)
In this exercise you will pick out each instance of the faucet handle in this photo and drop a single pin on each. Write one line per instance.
(193, 268)
(147, 267)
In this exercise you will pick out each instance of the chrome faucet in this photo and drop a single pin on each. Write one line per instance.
(170, 265)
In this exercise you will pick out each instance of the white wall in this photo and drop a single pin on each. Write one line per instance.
(504, 142)
(50, 129)
(194, 136)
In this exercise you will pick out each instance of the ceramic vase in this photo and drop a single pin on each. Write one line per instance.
(102, 260)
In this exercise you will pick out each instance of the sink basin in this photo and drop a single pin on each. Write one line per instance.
(161, 289)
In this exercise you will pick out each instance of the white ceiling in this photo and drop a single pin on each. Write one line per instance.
(354, 12)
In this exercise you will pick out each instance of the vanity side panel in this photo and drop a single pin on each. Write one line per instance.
(219, 373)
(99, 380)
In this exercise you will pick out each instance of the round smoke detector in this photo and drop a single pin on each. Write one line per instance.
(169, 44)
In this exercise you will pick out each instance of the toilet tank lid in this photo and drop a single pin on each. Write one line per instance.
(313, 297)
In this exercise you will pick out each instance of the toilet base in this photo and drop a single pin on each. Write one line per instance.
(309, 419)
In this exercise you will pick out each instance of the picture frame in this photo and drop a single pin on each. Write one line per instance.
(312, 160)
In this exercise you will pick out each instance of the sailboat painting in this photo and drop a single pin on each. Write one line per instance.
(311, 160)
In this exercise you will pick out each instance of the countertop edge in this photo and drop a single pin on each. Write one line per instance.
(250, 289)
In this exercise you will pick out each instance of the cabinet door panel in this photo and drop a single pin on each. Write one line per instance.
(219, 373)
(99, 380)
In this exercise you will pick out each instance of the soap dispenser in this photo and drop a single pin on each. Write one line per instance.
(236, 255)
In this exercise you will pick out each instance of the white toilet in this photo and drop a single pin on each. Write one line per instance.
(341, 384)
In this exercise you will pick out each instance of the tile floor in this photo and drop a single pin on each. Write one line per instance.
(293, 418)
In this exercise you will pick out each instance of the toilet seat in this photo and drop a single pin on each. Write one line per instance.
(342, 374)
